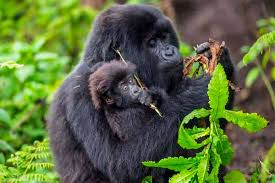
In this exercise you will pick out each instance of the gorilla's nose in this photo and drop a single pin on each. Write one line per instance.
(170, 53)
(135, 90)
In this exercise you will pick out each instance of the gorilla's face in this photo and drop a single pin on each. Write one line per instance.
(143, 35)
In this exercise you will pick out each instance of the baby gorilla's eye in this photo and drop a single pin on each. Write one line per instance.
(125, 87)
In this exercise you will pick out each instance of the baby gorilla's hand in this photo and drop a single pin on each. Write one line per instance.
(151, 96)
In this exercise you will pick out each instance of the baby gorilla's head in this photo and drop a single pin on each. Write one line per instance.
(113, 84)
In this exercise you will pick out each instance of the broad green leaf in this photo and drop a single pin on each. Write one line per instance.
(197, 113)
(250, 122)
(203, 168)
(4, 116)
(147, 179)
(218, 92)
(251, 77)
(264, 41)
(223, 148)
(187, 142)
(174, 163)
(184, 176)
(234, 176)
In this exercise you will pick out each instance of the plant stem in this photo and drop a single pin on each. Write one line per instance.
(267, 84)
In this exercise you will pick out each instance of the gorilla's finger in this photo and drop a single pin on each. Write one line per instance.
(203, 47)
(148, 100)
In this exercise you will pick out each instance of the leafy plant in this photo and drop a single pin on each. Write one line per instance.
(40, 42)
(268, 166)
(216, 150)
(264, 45)
(30, 164)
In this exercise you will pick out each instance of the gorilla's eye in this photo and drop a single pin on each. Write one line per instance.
(152, 42)
(163, 36)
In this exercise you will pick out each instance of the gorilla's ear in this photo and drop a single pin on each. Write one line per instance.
(99, 87)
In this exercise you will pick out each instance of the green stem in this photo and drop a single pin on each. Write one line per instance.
(267, 84)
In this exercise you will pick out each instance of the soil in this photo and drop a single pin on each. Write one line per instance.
(235, 23)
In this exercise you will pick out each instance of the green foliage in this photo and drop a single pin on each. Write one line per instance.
(30, 164)
(265, 46)
(268, 166)
(147, 179)
(216, 150)
(41, 42)
(234, 176)
(263, 42)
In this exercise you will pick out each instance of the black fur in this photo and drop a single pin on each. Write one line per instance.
(85, 148)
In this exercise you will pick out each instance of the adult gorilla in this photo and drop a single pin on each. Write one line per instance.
(84, 146)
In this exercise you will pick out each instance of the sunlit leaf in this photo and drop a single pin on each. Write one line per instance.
(234, 176)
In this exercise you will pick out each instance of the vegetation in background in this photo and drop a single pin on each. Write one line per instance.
(216, 150)
(264, 46)
(40, 42)
(30, 164)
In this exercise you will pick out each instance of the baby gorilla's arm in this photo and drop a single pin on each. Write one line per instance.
(113, 85)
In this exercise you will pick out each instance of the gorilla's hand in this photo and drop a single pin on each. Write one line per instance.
(225, 59)
(153, 95)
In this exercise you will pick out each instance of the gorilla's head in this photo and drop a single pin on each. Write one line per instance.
(144, 36)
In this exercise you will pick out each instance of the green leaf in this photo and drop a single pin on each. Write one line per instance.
(4, 116)
(223, 148)
(255, 177)
(174, 163)
(2, 158)
(188, 142)
(234, 176)
(203, 168)
(218, 92)
(250, 122)
(24, 72)
(4, 146)
(197, 113)
(264, 41)
(184, 176)
(147, 179)
(251, 77)
(197, 133)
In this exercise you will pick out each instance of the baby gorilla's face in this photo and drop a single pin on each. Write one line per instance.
(128, 89)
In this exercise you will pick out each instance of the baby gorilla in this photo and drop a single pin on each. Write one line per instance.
(113, 88)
